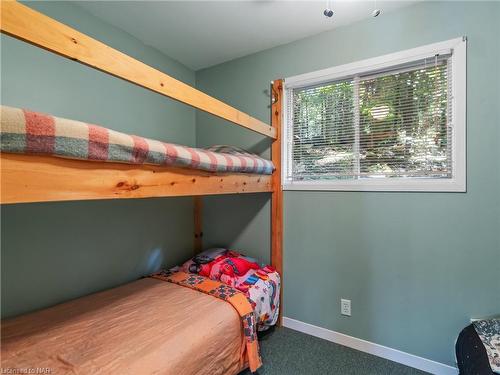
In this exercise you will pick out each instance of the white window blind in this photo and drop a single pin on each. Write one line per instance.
(394, 123)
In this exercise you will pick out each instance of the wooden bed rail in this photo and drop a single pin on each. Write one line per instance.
(30, 178)
(24, 23)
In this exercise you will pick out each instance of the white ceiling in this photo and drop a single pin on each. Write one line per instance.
(200, 34)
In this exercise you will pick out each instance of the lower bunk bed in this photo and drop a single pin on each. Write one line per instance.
(145, 327)
(173, 322)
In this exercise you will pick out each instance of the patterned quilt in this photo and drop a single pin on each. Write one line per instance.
(488, 331)
(27, 132)
(261, 285)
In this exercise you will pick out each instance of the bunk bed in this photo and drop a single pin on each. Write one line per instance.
(27, 178)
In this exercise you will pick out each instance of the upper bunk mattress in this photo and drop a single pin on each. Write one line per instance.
(144, 327)
(27, 132)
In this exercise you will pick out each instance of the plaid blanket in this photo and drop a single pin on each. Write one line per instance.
(226, 293)
(27, 132)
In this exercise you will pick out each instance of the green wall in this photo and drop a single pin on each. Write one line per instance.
(52, 252)
(416, 266)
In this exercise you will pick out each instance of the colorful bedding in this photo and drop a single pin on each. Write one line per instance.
(27, 132)
(226, 293)
(488, 331)
(261, 285)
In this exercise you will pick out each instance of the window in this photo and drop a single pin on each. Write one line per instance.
(392, 123)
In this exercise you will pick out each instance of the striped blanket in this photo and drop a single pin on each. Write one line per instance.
(27, 132)
(233, 296)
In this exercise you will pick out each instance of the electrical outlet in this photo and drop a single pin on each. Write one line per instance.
(345, 307)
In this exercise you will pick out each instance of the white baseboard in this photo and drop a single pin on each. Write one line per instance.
(369, 347)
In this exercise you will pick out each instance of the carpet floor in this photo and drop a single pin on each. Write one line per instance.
(289, 352)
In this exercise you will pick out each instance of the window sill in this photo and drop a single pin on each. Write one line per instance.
(392, 185)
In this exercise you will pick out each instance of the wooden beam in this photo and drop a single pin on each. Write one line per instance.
(277, 195)
(30, 178)
(198, 224)
(22, 22)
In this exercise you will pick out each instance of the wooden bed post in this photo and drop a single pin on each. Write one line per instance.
(198, 224)
(277, 194)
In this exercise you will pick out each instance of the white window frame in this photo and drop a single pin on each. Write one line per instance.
(457, 183)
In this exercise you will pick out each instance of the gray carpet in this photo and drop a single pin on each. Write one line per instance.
(289, 352)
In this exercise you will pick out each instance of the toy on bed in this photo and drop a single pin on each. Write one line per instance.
(261, 285)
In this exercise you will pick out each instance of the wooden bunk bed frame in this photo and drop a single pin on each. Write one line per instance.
(31, 178)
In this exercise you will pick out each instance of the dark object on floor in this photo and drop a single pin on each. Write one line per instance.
(471, 354)
(288, 352)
